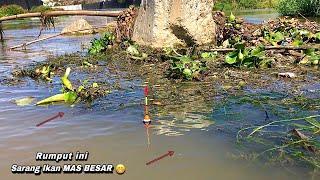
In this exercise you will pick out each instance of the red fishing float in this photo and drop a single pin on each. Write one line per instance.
(146, 120)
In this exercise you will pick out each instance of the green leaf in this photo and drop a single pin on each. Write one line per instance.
(70, 97)
(95, 85)
(86, 63)
(248, 62)
(67, 73)
(304, 33)
(65, 80)
(239, 46)
(185, 59)
(231, 58)
(232, 17)
(187, 73)
(207, 55)
(318, 36)
(67, 83)
(133, 51)
(277, 37)
(258, 51)
(315, 62)
(55, 98)
(80, 88)
(310, 52)
(297, 43)
(240, 56)
(265, 63)
(144, 55)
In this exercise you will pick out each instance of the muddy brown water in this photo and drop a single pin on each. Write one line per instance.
(113, 135)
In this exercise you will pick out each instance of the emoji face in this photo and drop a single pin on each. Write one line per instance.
(120, 168)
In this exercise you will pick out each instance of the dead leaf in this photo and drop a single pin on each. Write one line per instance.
(157, 103)
(299, 134)
(24, 101)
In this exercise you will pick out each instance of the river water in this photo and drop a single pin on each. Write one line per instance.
(113, 135)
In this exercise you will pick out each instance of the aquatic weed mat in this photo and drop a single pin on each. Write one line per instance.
(239, 100)
(271, 127)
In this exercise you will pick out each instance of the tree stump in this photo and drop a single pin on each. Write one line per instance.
(167, 22)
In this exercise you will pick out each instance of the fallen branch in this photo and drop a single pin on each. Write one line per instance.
(52, 36)
(62, 13)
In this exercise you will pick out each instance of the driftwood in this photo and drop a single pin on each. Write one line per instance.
(62, 13)
(50, 37)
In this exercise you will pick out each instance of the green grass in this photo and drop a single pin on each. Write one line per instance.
(309, 8)
(11, 10)
(40, 9)
(15, 9)
(229, 5)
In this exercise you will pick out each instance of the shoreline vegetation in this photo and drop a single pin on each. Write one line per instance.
(232, 5)
(308, 8)
(10, 10)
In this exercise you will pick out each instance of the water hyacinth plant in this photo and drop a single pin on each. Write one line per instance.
(99, 45)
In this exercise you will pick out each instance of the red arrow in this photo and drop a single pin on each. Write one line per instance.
(170, 153)
(60, 114)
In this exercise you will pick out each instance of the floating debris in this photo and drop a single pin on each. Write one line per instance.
(24, 101)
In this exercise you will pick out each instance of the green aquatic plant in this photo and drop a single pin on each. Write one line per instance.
(248, 57)
(307, 119)
(99, 45)
(275, 38)
(45, 73)
(186, 67)
(231, 33)
(134, 53)
(65, 81)
(71, 95)
(311, 57)
(68, 95)
(209, 55)
(301, 143)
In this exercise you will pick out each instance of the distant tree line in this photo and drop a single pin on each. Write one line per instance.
(26, 4)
